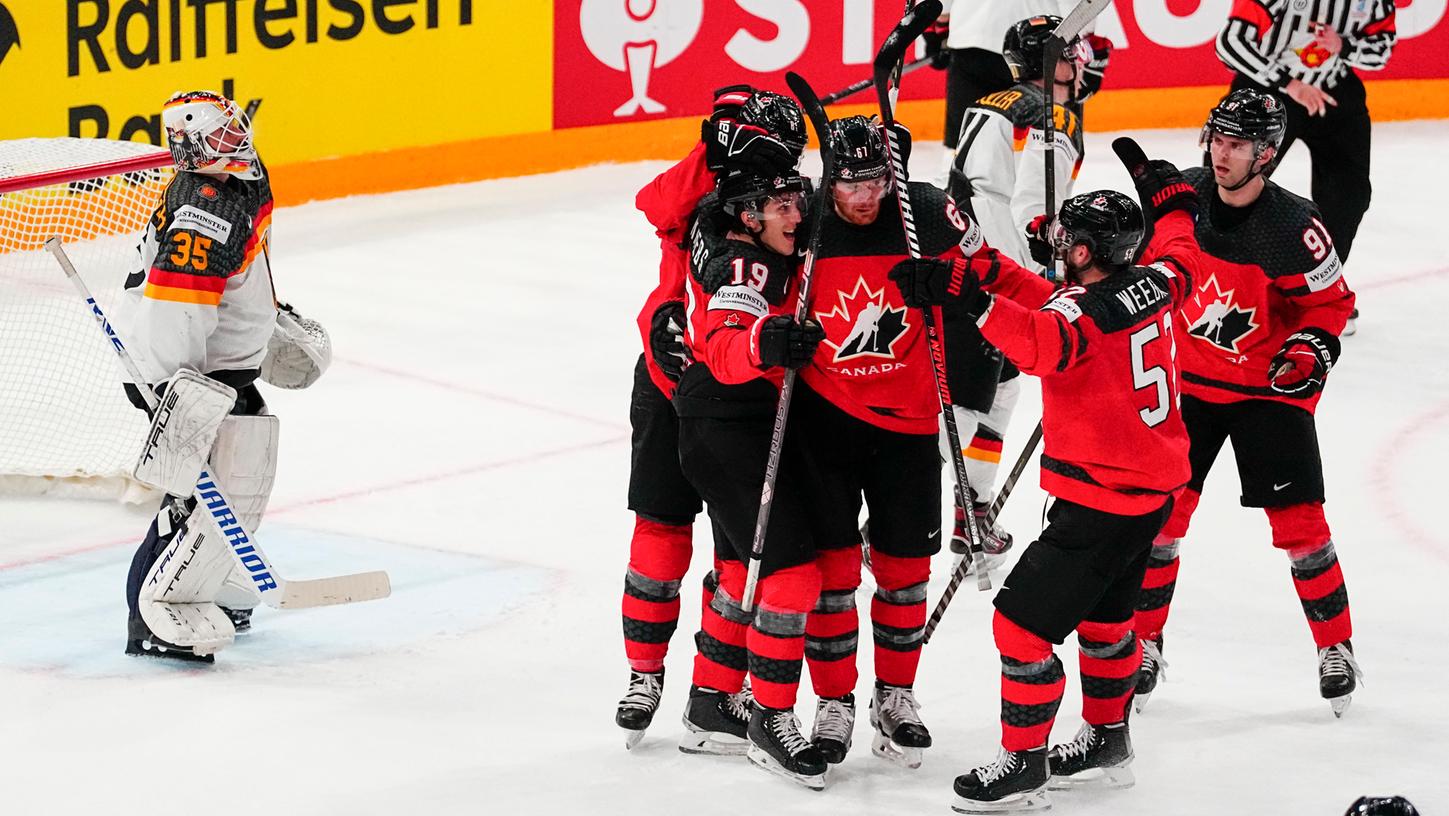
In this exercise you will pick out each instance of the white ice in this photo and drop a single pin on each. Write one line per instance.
(472, 438)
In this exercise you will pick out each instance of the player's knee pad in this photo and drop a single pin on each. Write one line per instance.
(1017, 643)
(839, 569)
(793, 589)
(1184, 504)
(244, 463)
(894, 573)
(660, 551)
(184, 428)
(1298, 526)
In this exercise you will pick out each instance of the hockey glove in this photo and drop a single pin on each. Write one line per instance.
(940, 281)
(1093, 73)
(731, 144)
(781, 342)
(1301, 366)
(935, 38)
(1038, 240)
(666, 340)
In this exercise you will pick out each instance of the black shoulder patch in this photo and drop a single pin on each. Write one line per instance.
(1125, 299)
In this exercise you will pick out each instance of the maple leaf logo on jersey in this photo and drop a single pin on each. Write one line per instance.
(1223, 323)
(869, 325)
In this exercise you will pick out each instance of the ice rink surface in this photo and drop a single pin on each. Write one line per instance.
(472, 438)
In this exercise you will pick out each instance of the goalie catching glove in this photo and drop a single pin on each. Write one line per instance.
(299, 351)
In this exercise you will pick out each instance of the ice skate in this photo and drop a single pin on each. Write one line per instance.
(900, 736)
(1338, 676)
(241, 619)
(1153, 671)
(995, 540)
(834, 724)
(715, 722)
(1016, 782)
(777, 745)
(140, 641)
(1099, 756)
(637, 708)
(1351, 327)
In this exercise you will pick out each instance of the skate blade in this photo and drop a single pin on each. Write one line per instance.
(632, 738)
(886, 749)
(1029, 802)
(1340, 704)
(712, 743)
(761, 759)
(1115, 778)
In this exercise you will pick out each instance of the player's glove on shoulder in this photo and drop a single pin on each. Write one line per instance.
(781, 342)
(947, 282)
(1300, 368)
(666, 340)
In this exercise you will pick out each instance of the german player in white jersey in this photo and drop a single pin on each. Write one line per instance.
(200, 317)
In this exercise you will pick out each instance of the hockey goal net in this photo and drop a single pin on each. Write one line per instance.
(65, 423)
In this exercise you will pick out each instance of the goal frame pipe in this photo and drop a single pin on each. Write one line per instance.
(86, 172)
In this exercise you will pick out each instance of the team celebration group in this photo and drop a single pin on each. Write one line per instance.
(1206, 308)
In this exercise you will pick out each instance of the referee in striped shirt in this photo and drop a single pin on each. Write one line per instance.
(1306, 52)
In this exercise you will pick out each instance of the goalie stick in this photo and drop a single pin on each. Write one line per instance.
(818, 120)
(887, 72)
(1067, 30)
(275, 591)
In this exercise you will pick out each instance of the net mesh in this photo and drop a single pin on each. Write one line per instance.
(65, 423)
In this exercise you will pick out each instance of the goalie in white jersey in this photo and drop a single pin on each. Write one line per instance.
(998, 175)
(200, 318)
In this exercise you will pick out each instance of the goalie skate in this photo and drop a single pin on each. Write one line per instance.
(715, 722)
(141, 642)
(1100, 756)
(1015, 783)
(900, 736)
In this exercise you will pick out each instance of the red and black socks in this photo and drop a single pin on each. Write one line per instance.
(720, 658)
(1032, 682)
(658, 558)
(898, 616)
(776, 637)
(1109, 660)
(1158, 585)
(832, 629)
(1302, 532)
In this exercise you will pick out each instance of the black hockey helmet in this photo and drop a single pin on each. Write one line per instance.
(1248, 114)
(1381, 806)
(1025, 46)
(778, 114)
(745, 190)
(860, 150)
(1107, 222)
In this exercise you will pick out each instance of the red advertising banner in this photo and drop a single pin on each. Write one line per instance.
(633, 60)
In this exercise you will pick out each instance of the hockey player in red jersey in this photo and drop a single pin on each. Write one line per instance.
(1261, 335)
(748, 128)
(744, 336)
(1115, 450)
(868, 406)
(200, 318)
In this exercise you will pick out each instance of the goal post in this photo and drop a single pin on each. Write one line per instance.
(66, 426)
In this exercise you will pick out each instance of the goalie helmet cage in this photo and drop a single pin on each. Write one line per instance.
(66, 427)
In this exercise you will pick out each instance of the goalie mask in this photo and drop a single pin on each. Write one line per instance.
(208, 133)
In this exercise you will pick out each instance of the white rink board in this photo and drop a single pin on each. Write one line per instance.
(472, 437)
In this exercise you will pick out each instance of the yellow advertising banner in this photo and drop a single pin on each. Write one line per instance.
(334, 77)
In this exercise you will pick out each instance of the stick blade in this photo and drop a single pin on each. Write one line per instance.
(342, 589)
(893, 49)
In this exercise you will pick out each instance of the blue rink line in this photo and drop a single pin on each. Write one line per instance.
(68, 616)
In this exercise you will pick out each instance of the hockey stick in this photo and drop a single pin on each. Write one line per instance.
(276, 591)
(887, 72)
(821, 124)
(851, 90)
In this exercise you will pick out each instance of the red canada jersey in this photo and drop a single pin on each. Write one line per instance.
(874, 363)
(668, 201)
(1106, 355)
(1268, 270)
(733, 286)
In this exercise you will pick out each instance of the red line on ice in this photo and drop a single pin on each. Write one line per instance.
(1384, 474)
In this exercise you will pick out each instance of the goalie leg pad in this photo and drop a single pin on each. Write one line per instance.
(177, 598)
(244, 462)
(183, 431)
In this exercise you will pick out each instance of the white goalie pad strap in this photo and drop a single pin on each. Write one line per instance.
(183, 430)
(177, 598)
(298, 352)
(244, 463)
